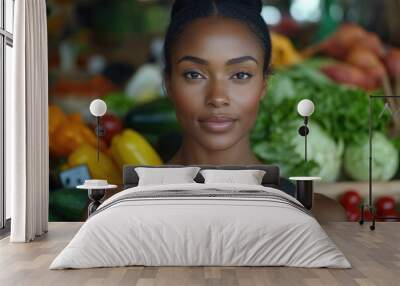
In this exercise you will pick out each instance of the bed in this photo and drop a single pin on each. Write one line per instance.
(201, 224)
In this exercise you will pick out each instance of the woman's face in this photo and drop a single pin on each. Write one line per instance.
(216, 81)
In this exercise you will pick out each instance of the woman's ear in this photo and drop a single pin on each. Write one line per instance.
(167, 86)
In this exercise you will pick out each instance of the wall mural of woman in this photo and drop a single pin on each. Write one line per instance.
(217, 56)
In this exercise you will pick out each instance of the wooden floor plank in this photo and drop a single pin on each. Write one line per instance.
(374, 255)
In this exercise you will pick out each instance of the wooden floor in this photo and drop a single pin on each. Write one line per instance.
(375, 257)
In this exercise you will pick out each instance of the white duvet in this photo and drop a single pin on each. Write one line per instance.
(185, 230)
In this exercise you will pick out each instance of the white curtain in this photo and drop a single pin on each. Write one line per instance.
(27, 144)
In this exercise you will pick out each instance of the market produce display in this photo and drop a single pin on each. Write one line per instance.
(112, 126)
(118, 103)
(283, 52)
(153, 119)
(68, 132)
(340, 123)
(324, 154)
(339, 130)
(385, 207)
(96, 86)
(338, 75)
(146, 83)
(351, 201)
(67, 204)
(362, 58)
(105, 169)
(392, 62)
(131, 148)
(350, 198)
(384, 165)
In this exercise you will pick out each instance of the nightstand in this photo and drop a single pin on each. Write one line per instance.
(304, 190)
(96, 194)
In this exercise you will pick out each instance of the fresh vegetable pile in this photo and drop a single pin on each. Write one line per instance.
(283, 52)
(339, 121)
(363, 60)
(74, 143)
(385, 207)
(142, 128)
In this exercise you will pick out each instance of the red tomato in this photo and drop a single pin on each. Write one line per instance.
(112, 126)
(350, 198)
(391, 215)
(385, 205)
(367, 215)
(353, 213)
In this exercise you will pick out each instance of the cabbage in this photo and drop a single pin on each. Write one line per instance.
(285, 147)
(340, 112)
(385, 159)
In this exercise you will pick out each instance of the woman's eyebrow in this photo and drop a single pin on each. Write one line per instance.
(193, 59)
(241, 60)
(229, 62)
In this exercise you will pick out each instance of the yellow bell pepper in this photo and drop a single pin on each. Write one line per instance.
(131, 148)
(68, 132)
(104, 169)
(56, 118)
(75, 117)
(283, 51)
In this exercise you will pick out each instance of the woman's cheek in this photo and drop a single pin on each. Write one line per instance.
(247, 106)
(186, 107)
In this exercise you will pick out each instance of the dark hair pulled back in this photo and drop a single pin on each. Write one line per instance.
(246, 11)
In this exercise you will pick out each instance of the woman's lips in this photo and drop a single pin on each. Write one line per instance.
(217, 124)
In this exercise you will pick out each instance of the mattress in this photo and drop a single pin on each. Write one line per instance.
(198, 224)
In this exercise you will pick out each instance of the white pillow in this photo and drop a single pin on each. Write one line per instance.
(161, 176)
(249, 177)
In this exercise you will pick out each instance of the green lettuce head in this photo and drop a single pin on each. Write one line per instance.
(285, 147)
(385, 159)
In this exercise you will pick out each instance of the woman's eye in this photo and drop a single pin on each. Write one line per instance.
(192, 75)
(242, 75)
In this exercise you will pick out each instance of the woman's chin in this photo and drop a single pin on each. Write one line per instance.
(218, 142)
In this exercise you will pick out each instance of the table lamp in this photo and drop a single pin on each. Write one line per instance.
(98, 108)
(305, 108)
(304, 187)
(96, 188)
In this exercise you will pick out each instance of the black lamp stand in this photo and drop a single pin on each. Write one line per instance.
(303, 131)
(100, 131)
(304, 188)
(370, 205)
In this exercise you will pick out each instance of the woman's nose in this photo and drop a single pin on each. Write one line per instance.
(217, 95)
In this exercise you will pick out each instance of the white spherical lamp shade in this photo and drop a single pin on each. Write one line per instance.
(98, 107)
(305, 107)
